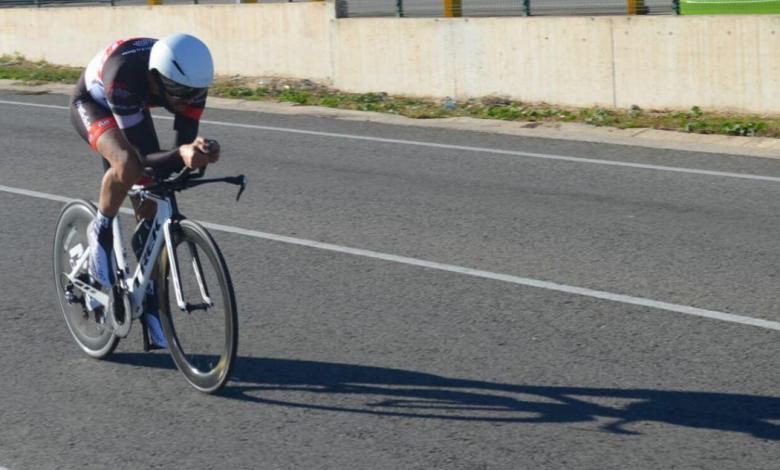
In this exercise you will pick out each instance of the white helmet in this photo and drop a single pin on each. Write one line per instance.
(183, 59)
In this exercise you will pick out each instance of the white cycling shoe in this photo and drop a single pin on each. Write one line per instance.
(100, 265)
(156, 335)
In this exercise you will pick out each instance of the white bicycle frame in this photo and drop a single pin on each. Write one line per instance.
(135, 286)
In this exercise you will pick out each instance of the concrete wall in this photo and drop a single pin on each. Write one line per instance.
(271, 39)
(560, 60)
(725, 62)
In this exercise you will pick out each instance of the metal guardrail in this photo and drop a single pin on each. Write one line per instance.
(40, 3)
(456, 8)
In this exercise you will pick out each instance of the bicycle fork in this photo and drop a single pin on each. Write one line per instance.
(176, 277)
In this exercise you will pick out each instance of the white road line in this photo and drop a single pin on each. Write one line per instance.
(523, 281)
(643, 166)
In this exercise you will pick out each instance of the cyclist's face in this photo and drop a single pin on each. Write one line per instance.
(179, 97)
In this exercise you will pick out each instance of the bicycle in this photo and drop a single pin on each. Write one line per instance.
(98, 319)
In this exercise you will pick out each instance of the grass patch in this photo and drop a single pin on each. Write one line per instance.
(305, 92)
(17, 67)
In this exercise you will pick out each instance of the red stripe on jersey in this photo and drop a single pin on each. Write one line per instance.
(98, 128)
(193, 113)
(107, 53)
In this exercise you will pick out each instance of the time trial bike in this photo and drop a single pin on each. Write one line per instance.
(197, 305)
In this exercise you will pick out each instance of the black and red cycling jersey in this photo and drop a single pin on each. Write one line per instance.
(114, 92)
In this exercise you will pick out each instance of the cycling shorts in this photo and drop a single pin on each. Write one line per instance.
(90, 118)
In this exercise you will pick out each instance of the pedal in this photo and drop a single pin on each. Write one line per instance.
(201, 306)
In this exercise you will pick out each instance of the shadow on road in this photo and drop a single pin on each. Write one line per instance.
(394, 392)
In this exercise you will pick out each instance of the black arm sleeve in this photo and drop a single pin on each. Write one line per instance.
(144, 138)
(165, 162)
(186, 129)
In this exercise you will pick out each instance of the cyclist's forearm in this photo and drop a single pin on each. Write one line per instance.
(165, 161)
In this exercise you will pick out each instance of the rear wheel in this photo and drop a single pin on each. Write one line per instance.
(88, 327)
(203, 339)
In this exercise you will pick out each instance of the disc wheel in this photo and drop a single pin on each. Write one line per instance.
(88, 327)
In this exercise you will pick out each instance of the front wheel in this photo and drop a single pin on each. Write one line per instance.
(203, 338)
(88, 327)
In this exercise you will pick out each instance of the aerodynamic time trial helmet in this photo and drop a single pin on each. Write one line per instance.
(184, 65)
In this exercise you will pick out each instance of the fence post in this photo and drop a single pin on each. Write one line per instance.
(342, 9)
(636, 7)
(526, 7)
(399, 8)
(453, 8)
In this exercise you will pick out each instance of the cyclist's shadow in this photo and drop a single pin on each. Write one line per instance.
(395, 392)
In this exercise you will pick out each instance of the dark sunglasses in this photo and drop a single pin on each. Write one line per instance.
(182, 92)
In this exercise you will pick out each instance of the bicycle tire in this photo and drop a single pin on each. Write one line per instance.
(215, 374)
(70, 235)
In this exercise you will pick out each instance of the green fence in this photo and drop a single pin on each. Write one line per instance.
(729, 7)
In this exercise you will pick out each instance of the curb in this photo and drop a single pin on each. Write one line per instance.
(651, 138)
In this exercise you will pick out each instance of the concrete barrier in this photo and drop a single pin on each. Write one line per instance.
(270, 39)
(717, 62)
(558, 60)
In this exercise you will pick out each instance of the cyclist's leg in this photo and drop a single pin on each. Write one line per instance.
(144, 214)
(91, 120)
(125, 169)
(96, 125)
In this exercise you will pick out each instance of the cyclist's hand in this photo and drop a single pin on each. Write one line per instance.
(194, 155)
(211, 147)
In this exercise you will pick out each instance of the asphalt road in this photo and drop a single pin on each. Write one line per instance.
(368, 361)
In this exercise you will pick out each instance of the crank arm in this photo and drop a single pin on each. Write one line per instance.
(87, 289)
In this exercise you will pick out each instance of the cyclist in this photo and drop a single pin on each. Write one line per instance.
(110, 110)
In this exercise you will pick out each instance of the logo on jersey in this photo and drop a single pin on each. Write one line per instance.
(83, 114)
(144, 42)
(140, 45)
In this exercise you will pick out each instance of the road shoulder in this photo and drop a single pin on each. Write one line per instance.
(651, 138)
